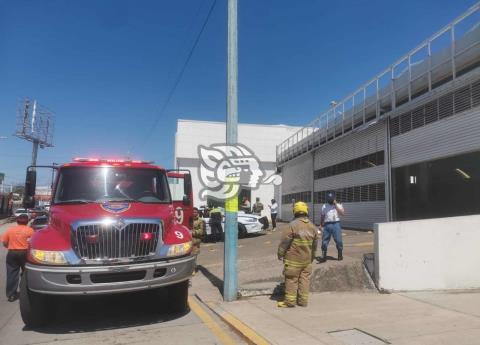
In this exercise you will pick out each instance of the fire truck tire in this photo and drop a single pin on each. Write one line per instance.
(178, 297)
(242, 231)
(35, 308)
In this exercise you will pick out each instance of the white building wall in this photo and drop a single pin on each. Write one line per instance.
(428, 254)
(261, 139)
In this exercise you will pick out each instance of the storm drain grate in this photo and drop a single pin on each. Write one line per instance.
(357, 337)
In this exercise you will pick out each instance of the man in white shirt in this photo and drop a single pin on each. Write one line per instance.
(273, 213)
(330, 221)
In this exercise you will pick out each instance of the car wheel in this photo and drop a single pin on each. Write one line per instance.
(242, 231)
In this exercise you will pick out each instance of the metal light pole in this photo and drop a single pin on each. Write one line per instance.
(230, 278)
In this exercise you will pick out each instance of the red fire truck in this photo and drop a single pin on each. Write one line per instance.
(113, 227)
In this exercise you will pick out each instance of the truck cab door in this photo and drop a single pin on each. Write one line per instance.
(180, 183)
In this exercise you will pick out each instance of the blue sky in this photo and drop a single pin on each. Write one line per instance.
(106, 67)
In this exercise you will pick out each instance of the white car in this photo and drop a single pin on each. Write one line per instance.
(20, 211)
(247, 224)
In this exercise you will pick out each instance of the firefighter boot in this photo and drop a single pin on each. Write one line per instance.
(323, 258)
(340, 255)
(284, 304)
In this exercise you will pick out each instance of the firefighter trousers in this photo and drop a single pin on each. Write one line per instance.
(297, 284)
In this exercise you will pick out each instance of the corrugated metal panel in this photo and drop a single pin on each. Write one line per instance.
(297, 176)
(364, 214)
(354, 178)
(355, 145)
(448, 136)
(358, 214)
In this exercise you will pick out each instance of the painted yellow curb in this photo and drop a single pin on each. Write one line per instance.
(249, 334)
(210, 323)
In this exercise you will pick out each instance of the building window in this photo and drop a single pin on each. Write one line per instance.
(367, 161)
(441, 188)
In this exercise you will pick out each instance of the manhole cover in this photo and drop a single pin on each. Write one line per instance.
(357, 337)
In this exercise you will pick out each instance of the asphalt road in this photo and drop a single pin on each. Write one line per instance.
(135, 318)
(356, 243)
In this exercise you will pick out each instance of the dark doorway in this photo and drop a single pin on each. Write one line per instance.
(441, 188)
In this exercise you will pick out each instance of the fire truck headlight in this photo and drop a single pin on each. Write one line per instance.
(180, 249)
(48, 257)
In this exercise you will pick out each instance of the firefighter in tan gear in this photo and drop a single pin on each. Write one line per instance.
(297, 250)
(198, 233)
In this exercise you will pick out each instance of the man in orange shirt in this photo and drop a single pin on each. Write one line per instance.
(16, 239)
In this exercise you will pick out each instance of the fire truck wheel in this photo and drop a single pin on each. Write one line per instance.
(178, 297)
(34, 307)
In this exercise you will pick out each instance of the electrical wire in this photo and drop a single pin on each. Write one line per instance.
(180, 75)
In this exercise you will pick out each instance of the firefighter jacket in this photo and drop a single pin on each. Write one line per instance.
(299, 243)
(198, 229)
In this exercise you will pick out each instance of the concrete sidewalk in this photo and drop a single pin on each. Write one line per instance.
(413, 318)
(421, 318)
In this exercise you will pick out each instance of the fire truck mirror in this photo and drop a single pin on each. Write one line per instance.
(186, 200)
(30, 185)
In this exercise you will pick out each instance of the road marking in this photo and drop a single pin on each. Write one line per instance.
(362, 244)
(210, 323)
(240, 327)
(268, 242)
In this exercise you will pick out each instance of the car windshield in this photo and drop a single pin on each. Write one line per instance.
(100, 184)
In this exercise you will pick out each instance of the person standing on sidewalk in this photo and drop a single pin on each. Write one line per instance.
(273, 213)
(216, 218)
(245, 205)
(330, 221)
(257, 207)
(198, 233)
(297, 250)
(16, 240)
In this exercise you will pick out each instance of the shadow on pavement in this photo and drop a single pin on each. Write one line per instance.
(278, 292)
(320, 259)
(217, 282)
(95, 313)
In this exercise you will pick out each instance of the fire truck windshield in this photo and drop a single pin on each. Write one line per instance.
(100, 184)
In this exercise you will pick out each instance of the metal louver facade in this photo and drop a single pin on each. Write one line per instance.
(299, 174)
(450, 126)
(422, 109)
(358, 189)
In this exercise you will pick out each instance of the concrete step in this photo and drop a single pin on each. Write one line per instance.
(347, 275)
(332, 275)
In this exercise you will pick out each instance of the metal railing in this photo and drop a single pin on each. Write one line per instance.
(448, 54)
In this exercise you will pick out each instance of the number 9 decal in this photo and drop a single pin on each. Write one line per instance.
(179, 235)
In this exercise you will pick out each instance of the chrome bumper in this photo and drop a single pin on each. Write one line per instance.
(90, 280)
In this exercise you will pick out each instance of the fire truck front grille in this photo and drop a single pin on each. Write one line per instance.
(113, 241)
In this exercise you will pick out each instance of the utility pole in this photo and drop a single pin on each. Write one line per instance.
(35, 152)
(230, 277)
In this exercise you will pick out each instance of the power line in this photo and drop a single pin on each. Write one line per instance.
(184, 42)
(180, 75)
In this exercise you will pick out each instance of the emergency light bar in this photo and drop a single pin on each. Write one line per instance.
(103, 160)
